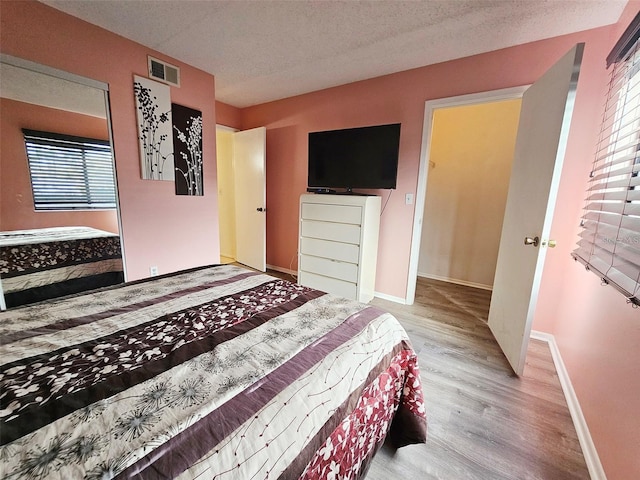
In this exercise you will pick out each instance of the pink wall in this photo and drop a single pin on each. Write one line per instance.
(158, 227)
(16, 199)
(228, 115)
(597, 333)
(599, 336)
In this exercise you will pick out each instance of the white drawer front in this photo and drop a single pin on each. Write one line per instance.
(332, 213)
(326, 284)
(345, 252)
(338, 232)
(329, 268)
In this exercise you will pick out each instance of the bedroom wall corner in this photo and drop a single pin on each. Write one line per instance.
(159, 228)
(228, 115)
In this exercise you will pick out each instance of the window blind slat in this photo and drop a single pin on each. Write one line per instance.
(627, 181)
(619, 208)
(621, 195)
(626, 235)
(613, 248)
(612, 162)
(626, 222)
(593, 229)
(631, 171)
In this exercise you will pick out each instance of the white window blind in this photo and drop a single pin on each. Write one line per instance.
(70, 172)
(609, 242)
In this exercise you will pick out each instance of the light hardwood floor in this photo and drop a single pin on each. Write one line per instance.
(484, 422)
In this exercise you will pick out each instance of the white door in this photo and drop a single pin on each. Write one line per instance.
(249, 156)
(539, 153)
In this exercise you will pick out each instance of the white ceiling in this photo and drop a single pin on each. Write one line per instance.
(266, 50)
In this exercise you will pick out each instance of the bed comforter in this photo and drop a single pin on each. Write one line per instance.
(216, 373)
(45, 263)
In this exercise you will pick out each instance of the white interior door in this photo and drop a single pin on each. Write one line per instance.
(249, 156)
(545, 117)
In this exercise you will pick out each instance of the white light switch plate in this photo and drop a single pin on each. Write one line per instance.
(408, 198)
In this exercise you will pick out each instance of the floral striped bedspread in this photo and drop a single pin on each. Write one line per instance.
(214, 373)
(44, 263)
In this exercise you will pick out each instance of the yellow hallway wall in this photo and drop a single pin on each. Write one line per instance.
(471, 155)
(226, 193)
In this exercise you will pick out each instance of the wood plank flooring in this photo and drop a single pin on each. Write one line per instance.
(484, 422)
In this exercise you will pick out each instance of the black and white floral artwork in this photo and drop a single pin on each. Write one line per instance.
(153, 103)
(187, 144)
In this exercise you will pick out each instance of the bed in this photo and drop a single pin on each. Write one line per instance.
(46, 263)
(213, 373)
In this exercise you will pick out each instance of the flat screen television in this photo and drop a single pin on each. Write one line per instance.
(364, 157)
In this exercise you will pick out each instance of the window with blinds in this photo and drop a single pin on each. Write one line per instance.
(70, 172)
(609, 242)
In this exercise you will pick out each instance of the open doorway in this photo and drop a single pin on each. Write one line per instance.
(241, 169)
(470, 160)
(226, 193)
(427, 166)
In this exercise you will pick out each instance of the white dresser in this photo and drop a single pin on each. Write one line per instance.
(338, 244)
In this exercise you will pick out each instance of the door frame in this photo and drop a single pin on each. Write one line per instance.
(425, 152)
(224, 128)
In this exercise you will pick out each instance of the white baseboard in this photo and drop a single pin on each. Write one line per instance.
(283, 270)
(586, 442)
(391, 298)
(456, 281)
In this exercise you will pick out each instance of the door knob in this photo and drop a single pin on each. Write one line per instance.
(260, 209)
(535, 241)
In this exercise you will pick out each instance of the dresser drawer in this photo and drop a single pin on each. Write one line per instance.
(345, 252)
(332, 213)
(329, 268)
(330, 285)
(337, 232)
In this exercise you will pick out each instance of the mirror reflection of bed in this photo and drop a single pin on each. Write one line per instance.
(50, 248)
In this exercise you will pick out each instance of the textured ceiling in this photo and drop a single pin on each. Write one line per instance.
(266, 50)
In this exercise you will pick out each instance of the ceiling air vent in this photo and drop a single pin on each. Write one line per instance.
(164, 72)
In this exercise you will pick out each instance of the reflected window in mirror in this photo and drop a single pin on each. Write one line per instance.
(69, 172)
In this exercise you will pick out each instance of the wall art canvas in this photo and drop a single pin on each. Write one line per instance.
(187, 144)
(153, 103)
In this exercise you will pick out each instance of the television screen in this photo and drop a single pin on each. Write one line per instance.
(364, 157)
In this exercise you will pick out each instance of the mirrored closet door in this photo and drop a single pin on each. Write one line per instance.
(59, 221)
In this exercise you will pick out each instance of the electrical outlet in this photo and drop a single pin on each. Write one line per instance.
(153, 270)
